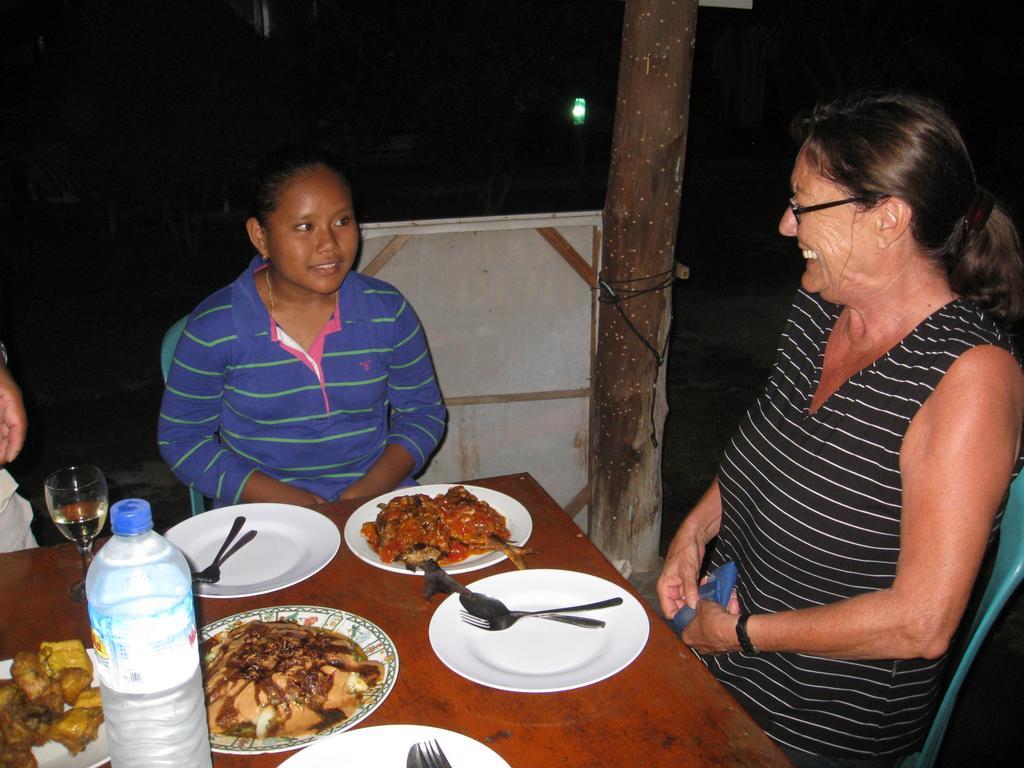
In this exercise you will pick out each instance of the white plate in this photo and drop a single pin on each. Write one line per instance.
(536, 655)
(372, 639)
(293, 543)
(54, 755)
(520, 526)
(389, 745)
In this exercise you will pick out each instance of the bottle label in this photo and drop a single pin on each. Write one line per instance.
(146, 654)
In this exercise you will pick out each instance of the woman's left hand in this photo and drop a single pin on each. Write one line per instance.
(713, 629)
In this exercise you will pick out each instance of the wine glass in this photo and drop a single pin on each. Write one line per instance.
(77, 500)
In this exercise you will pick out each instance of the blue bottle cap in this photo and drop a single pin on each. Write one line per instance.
(131, 516)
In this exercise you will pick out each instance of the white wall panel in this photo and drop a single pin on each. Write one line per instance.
(507, 319)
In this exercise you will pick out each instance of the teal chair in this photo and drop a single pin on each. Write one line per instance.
(1007, 574)
(167, 347)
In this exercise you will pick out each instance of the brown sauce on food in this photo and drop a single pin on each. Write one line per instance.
(308, 677)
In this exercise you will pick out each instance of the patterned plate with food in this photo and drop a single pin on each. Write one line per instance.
(363, 663)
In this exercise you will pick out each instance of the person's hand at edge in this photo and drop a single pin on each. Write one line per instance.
(263, 488)
(713, 629)
(677, 585)
(13, 421)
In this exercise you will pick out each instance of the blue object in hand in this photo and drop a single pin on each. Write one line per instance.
(718, 587)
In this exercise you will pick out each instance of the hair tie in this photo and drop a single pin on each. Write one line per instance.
(979, 210)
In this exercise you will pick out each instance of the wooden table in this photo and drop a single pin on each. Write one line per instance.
(664, 709)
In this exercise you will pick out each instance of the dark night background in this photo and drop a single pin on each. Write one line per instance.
(126, 128)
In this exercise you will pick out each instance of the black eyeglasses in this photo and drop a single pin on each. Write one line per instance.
(799, 209)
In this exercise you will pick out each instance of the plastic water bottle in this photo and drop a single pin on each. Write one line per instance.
(139, 589)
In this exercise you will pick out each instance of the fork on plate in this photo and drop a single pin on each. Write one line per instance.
(430, 755)
(494, 615)
(504, 621)
(211, 574)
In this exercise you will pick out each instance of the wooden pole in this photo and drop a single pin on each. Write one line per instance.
(640, 217)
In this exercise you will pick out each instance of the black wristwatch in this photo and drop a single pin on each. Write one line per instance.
(742, 636)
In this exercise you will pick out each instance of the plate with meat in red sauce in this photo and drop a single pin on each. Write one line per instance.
(461, 527)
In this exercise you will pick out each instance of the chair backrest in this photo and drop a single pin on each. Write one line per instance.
(169, 344)
(167, 347)
(1007, 573)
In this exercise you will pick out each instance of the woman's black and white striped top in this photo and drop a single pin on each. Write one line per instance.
(811, 515)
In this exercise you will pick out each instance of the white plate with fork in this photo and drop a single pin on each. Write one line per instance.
(534, 655)
(390, 744)
(293, 543)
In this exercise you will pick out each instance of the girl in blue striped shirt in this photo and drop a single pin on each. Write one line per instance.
(302, 380)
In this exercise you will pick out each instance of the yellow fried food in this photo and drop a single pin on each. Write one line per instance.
(32, 704)
(30, 675)
(22, 723)
(76, 728)
(64, 654)
(8, 693)
(73, 681)
(11, 757)
(90, 697)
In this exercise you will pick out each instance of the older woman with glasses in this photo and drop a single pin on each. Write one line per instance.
(862, 488)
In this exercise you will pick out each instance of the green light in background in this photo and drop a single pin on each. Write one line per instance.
(579, 111)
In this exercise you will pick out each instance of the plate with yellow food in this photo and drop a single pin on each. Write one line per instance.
(284, 677)
(50, 707)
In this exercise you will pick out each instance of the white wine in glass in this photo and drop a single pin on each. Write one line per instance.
(77, 500)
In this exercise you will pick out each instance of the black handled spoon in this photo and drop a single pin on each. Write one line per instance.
(213, 569)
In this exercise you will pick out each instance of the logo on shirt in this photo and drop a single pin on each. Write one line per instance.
(365, 365)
